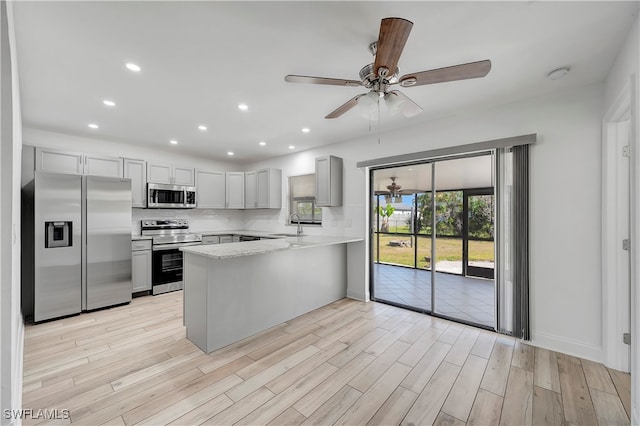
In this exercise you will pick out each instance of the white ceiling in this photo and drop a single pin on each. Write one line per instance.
(455, 174)
(200, 59)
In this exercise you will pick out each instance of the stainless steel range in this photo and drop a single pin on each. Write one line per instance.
(166, 265)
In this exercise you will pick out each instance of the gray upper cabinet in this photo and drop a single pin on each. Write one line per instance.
(235, 190)
(103, 166)
(52, 160)
(183, 176)
(329, 181)
(159, 173)
(210, 189)
(49, 160)
(250, 190)
(171, 175)
(269, 188)
(263, 189)
(136, 170)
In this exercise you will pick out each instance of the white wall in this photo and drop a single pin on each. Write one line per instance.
(11, 323)
(565, 202)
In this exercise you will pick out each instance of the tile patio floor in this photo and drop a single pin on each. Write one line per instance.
(465, 298)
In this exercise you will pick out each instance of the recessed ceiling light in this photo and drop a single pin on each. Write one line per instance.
(243, 107)
(107, 102)
(202, 127)
(305, 130)
(262, 143)
(173, 142)
(230, 153)
(133, 67)
(93, 125)
(558, 73)
(291, 147)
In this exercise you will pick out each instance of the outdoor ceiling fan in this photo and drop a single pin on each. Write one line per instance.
(393, 192)
(380, 75)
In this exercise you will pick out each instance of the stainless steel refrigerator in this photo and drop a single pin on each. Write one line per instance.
(76, 244)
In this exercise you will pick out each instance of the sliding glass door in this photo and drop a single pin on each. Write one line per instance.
(447, 272)
(401, 236)
(458, 294)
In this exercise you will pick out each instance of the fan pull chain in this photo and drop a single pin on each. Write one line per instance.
(379, 118)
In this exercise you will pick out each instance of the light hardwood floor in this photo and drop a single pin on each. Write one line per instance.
(347, 363)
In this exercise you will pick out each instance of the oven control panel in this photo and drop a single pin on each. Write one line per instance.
(165, 224)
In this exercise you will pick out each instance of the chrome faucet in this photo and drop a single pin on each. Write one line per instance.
(299, 231)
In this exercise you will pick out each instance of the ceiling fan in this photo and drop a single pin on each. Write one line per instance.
(393, 192)
(380, 75)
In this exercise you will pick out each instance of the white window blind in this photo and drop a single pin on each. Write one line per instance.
(303, 186)
(302, 199)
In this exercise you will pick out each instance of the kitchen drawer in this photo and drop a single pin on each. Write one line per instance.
(211, 239)
(140, 245)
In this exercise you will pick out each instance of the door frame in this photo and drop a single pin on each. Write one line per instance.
(615, 295)
(466, 193)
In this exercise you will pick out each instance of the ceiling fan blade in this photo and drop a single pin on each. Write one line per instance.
(345, 107)
(402, 103)
(394, 33)
(453, 73)
(321, 80)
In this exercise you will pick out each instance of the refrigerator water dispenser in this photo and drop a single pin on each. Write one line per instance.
(58, 234)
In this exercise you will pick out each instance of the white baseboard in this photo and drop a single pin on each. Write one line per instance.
(358, 297)
(16, 392)
(567, 346)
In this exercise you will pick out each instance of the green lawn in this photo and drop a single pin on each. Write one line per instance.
(446, 249)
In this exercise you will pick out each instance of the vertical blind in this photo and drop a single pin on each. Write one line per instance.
(521, 239)
(513, 241)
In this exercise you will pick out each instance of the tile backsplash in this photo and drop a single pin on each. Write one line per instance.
(199, 219)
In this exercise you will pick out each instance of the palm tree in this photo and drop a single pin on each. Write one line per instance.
(385, 212)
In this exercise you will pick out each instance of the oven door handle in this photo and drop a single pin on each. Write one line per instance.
(161, 247)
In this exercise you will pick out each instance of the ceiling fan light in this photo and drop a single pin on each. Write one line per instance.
(368, 105)
(394, 102)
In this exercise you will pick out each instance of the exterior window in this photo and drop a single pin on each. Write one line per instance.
(302, 199)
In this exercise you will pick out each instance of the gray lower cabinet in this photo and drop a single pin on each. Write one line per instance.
(141, 265)
(210, 239)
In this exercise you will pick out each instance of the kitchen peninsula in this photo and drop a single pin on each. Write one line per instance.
(233, 291)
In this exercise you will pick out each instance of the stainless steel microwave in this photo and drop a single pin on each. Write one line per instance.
(161, 196)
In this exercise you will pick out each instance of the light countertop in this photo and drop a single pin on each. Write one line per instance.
(249, 248)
